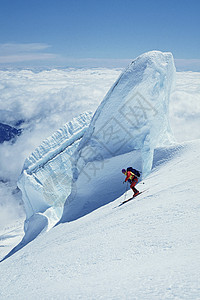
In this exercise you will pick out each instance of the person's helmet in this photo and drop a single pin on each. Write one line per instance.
(123, 171)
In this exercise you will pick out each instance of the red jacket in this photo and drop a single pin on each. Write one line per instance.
(129, 175)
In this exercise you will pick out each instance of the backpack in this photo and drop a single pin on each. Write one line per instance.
(136, 172)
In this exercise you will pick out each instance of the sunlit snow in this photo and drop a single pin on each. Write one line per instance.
(148, 248)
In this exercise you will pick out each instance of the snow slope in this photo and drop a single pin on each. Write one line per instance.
(145, 249)
(11, 236)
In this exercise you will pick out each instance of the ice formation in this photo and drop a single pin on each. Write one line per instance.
(46, 178)
(134, 113)
(129, 124)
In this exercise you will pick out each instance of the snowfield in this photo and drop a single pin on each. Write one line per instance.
(145, 249)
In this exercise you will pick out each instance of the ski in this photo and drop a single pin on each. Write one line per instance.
(125, 201)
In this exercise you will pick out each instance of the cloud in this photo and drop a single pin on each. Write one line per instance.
(185, 106)
(26, 57)
(19, 53)
(32, 53)
(11, 205)
(29, 47)
(187, 65)
(15, 53)
(94, 62)
(181, 64)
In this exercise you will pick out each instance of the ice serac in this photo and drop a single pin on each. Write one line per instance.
(46, 178)
(133, 114)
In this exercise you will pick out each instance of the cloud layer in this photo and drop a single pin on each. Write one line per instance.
(41, 102)
(28, 47)
(15, 53)
(188, 64)
(39, 54)
(185, 106)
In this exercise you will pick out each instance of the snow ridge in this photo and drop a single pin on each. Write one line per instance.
(58, 142)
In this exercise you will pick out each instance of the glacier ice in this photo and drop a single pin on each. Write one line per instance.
(133, 114)
(46, 178)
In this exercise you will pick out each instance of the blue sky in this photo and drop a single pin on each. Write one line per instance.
(97, 32)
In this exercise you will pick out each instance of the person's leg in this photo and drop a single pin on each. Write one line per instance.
(134, 182)
(135, 190)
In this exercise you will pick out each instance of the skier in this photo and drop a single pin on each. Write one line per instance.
(132, 178)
